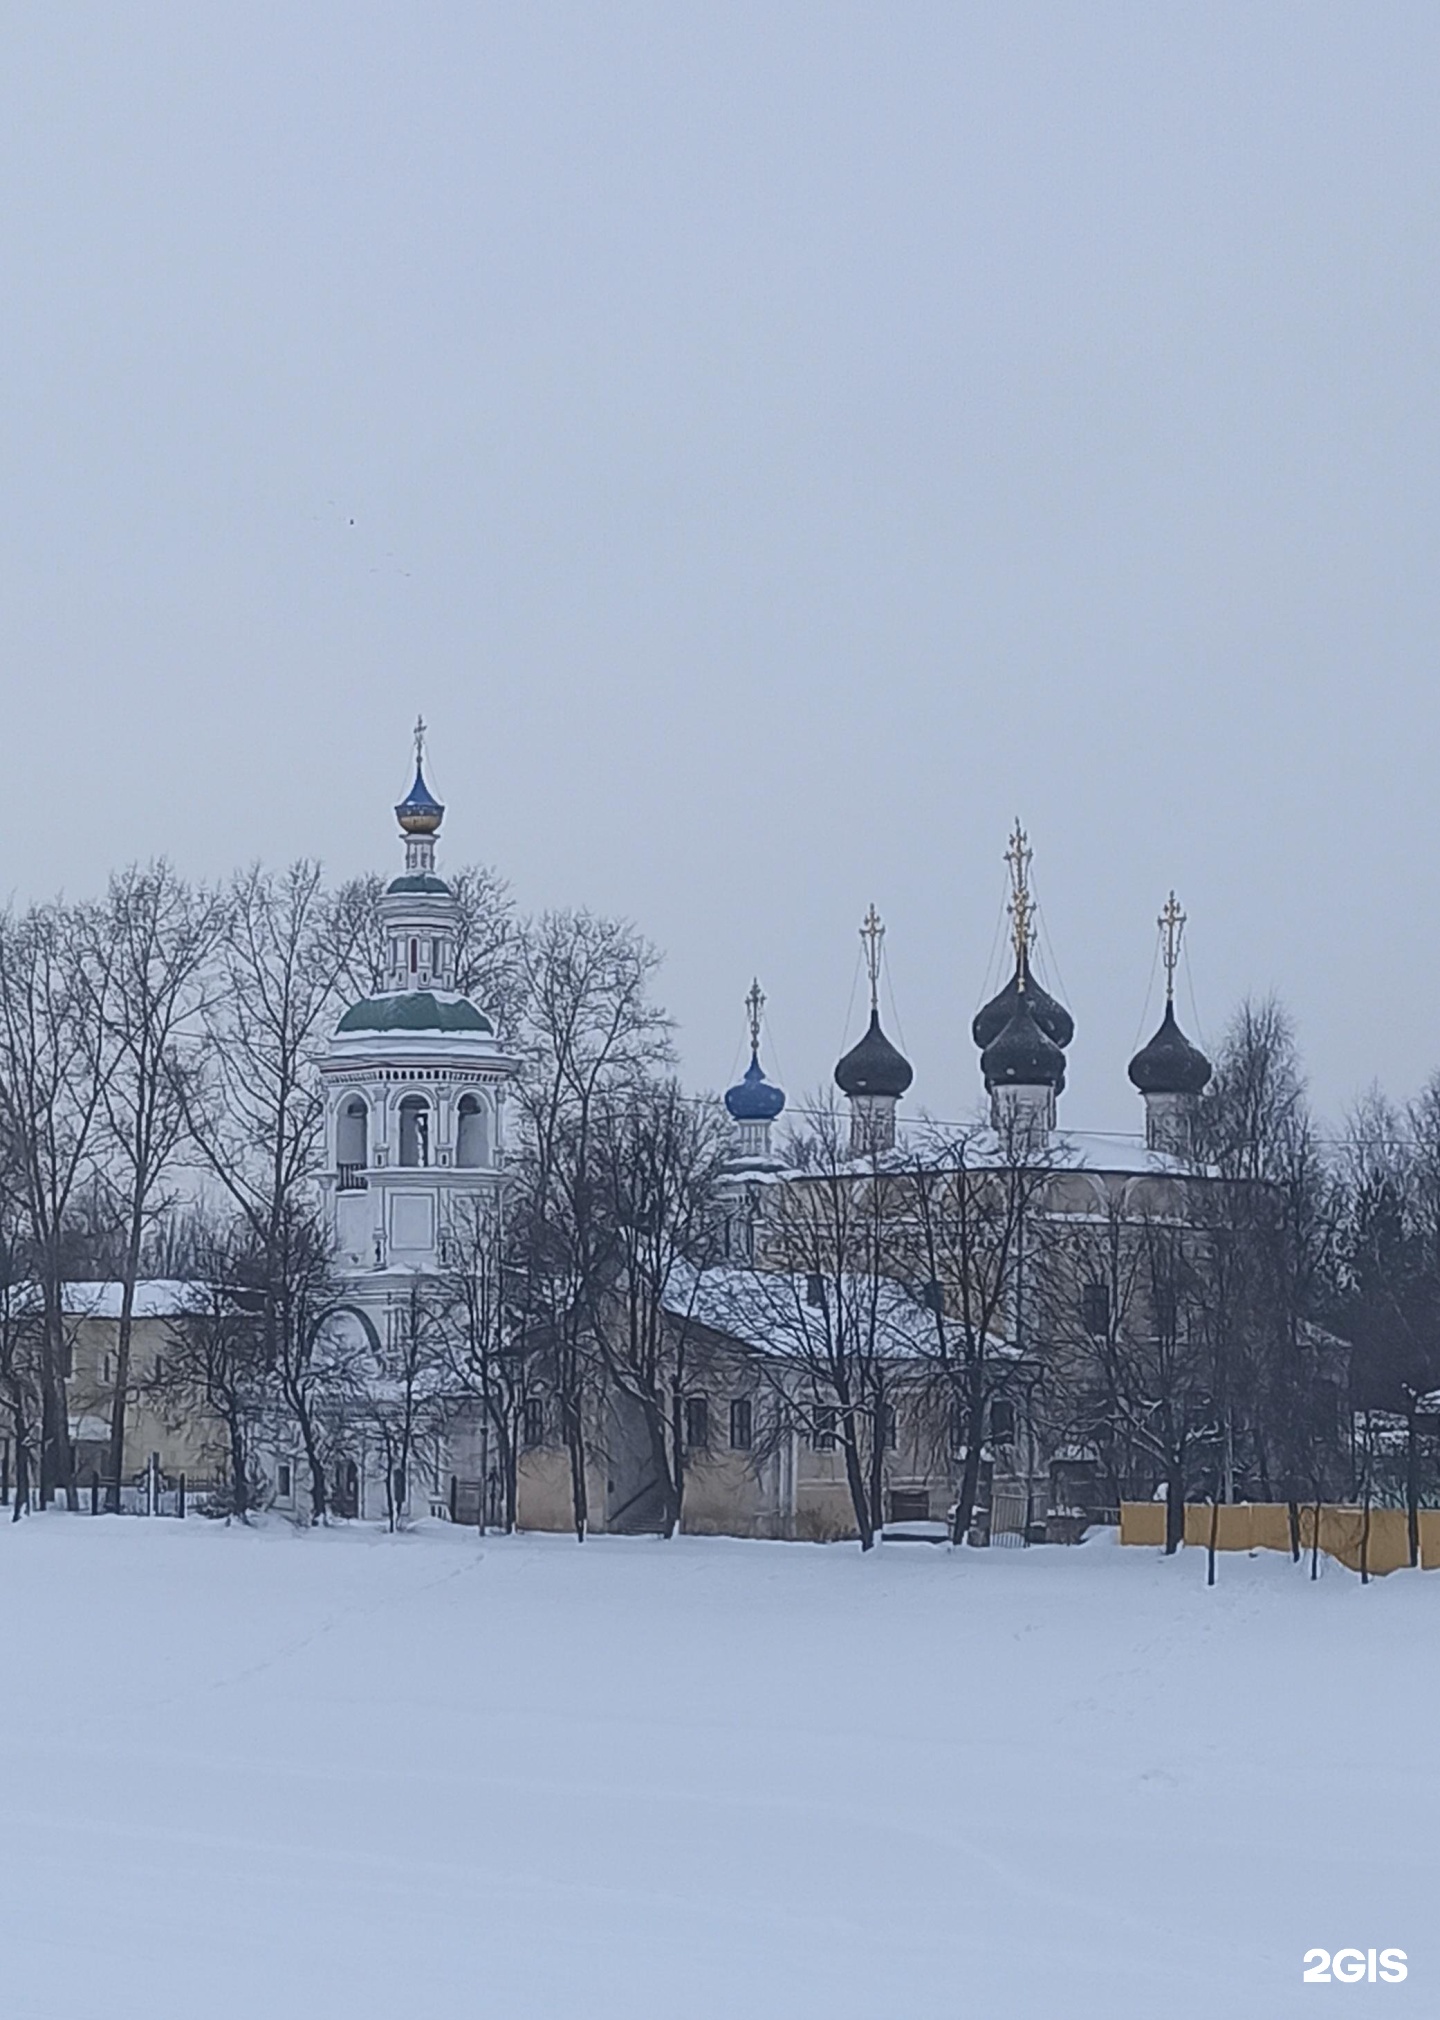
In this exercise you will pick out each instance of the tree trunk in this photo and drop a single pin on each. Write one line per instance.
(115, 1457)
(22, 1466)
(318, 1500)
(579, 1489)
(1174, 1507)
(239, 1477)
(855, 1479)
(877, 1464)
(1412, 1484)
(970, 1472)
(1214, 1543)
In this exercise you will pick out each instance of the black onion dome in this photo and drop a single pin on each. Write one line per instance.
(1170, 1064)
(874, 1066)
(1049, 1013)
(1022, 1055)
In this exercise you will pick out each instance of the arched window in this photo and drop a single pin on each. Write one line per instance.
(472, 1137)
(352, 1147)
(414, 1130)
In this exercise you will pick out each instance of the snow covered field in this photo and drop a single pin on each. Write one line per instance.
(347, 1776)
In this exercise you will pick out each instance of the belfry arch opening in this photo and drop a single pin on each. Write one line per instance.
(352, 1133)
(414, 1131)
(472, 1132)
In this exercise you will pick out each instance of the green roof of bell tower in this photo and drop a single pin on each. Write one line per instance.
(420, 1011)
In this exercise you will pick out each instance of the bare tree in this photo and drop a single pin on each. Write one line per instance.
(491, 1359)
(967, 1247)
(258, 1126)
(828, 1320)
(592, 1036)
(21, 1346)
(411, 1392)
(1391, 1284)
(316, 1361)
(159, 935)
(658, 1157)
(216, 1352)
(52, 1085)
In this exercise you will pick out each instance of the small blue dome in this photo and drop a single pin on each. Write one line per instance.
(754, 1099)
(419, 813)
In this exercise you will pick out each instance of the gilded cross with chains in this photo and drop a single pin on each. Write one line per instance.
(873, 934)
(1172, 926)
(754, 1008)
(1022, 906)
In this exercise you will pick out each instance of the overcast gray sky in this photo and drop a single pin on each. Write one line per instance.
(775, 444)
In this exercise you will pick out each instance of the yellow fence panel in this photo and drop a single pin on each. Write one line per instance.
(1142, 1522)
(1245, 1525)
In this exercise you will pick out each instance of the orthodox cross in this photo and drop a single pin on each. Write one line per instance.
(419, 742)
(754, 1007)
(1022, 906)
(873, 934)
(1172, 927)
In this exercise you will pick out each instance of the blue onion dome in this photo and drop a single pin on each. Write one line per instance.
(1170, 1064)
(1022, 1055)
(874, 1066)
(753, 1099)
(1051, 1015)
(420, 813)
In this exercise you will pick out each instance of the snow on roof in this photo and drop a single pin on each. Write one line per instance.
(1068, 1150)
(775, 1311)
(155, 1298)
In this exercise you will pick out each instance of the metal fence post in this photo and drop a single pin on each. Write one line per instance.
(182, 1497)
(94, 1492)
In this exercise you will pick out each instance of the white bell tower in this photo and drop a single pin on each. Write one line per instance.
(416, 1083)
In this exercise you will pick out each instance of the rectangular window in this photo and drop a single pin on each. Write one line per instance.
(283, 1482)
(697, 1423)
(814, 1289)
(823, 1437)
(109, 1368)
(532, 1429)
(1166, 1314)
(1002, 1421)
(159, 1368)
(434, 957)
(887, 1427)
(742, 1424)
(1095, 1309)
